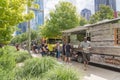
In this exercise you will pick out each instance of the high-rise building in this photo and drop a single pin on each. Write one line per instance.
(86, 13)
(37, 21)
(22, 28)
(39, 15)
(111, 3)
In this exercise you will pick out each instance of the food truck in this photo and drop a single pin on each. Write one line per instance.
(51, 42)
(105, 41)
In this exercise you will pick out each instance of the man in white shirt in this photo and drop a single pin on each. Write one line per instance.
(85, 46)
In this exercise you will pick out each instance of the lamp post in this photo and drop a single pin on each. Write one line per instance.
(29, 33)
(29, 30)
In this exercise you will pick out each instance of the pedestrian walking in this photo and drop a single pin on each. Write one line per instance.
(85, 47)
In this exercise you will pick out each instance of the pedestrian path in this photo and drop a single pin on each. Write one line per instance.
(93, 73)
(93, 77)
(36, 55)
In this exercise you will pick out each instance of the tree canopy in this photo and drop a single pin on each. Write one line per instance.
(119, 14)
(105, 12)
(24, 37)
(82, 21)
(12, 12)
(63, 17)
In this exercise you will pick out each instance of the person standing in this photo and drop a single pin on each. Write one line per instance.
(63, 51)
(24, 46)
(43, 50)
(58, 50)
(68, 50)
(36, 48)
(47, 49)
(17, 47)
(40, 49)
(85, 47)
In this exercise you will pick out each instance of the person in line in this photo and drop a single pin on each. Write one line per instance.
(34, 48)
(68, 50)
(47, 50)
(85, 47)
(63, 51)
(58, 50)
(24, 46)
(39, 48)
(17, 47)
(43, 50)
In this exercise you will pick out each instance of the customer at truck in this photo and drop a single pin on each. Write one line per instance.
(85, 47)
(63, 51)
(68, 50)
(58, 50)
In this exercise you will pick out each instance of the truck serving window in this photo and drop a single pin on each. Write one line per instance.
(117, 36)
(54, 41)
(81, 36)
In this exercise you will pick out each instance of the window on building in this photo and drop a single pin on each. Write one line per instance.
(117, 36)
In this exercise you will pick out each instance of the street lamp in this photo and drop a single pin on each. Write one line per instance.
(29, 33)
(29, 30)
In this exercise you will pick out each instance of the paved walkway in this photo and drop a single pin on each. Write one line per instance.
(36, 55)
(93, 73)
(96, 73)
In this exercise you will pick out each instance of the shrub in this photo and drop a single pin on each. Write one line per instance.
(10, 48)
(61, 73)
(7, 50)
(36, 67)
(21, 56)
(7, 62)
(8, 58)
(6, 75)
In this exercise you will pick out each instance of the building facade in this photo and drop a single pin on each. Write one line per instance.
(39, 15)
(37, 21)
(86, 13)
(111, 3)
(22, 28)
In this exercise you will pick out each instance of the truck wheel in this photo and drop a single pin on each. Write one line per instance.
(80, 59)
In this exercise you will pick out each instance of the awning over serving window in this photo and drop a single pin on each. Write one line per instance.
(77, 29)
(82, 28)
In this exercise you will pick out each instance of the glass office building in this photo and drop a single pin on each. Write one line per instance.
(111, 3)
(37, 21)
(86, 13)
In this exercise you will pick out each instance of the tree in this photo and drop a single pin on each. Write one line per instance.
(105, 12)
(82, 21)
(63, 17)
(12, 12)
(24, 37)
(119, 14)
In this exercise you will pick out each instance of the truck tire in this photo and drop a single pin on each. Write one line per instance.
(80, 59)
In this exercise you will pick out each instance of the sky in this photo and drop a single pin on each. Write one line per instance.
(80, 4)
